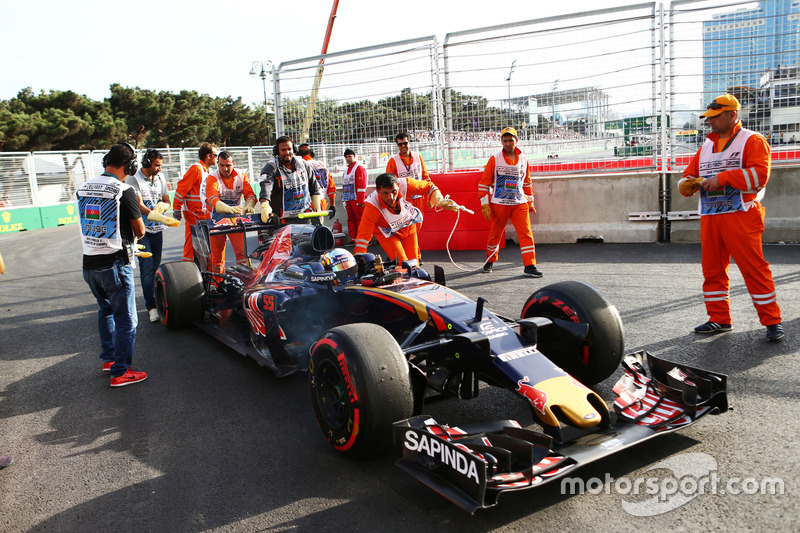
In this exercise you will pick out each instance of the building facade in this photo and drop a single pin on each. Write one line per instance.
(739, 46)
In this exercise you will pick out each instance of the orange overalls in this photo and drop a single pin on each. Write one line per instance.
(732, 222)
(188, 198)
(229, 191)
(354, 192)
(413, 167)
(507, 182)
(395, 227)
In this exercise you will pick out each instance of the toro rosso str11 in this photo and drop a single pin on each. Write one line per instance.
(379, 339)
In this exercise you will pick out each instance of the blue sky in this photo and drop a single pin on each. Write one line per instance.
(86, 45)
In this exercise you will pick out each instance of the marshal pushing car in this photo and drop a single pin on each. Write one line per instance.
(378, 339)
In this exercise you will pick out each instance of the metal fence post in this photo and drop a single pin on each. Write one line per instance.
(448, 99)
(276, 91)
(664, 192)
(32, 181)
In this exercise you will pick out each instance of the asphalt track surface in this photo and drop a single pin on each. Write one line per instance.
(213, 442)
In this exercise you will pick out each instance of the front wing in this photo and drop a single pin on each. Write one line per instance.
(472, 465)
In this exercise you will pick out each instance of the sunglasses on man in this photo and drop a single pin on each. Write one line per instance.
(715, 106)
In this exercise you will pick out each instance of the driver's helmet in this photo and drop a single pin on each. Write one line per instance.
(342, 263)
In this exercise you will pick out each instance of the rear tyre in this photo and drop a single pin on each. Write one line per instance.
(359, 384)
(594, 359)
(179, 294)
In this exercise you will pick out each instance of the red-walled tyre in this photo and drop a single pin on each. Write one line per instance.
(359, 384)
(590, 361)
(179, 294)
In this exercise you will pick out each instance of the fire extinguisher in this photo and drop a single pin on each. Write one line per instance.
(337, 228)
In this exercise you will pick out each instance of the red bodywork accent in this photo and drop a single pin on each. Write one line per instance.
(440, 323)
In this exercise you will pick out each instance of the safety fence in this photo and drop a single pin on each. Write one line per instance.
(611, 89)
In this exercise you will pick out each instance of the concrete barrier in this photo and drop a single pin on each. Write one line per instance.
(593, 207)
(781, 201)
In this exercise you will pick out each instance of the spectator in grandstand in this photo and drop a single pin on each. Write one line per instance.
(288, 184)
(151, 189)
(731, 170)
(354, 191)
(110, 222)
(505, 192)
(224, 189)
(393, 219)
(327, 187)
(189, 199)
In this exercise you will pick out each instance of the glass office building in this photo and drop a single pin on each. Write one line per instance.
(739, 46)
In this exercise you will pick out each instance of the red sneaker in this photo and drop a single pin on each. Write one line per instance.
(128, 378)
(107, 366)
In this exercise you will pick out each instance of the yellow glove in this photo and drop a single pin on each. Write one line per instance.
(161, 207)
(2, 265)
(222, 207)
(689, 185)
(139, 253)
(531, 207)
(487, 211)
(266, 211)
(250, 206)
(448, 204)
(316, 202)
(155, 216)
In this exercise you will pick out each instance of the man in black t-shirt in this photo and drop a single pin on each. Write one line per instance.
(110, 221)
(288, 185)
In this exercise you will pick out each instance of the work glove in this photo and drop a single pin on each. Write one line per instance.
(332, 211)
(689, 185)
(222, 207)
(176, 214)
(448, 204)
(487, 211)
(250, 206)
(316, 202)
(155, 216)
(531, 207)
(138, 251)
(161, 207)
(266, 211)
(2, 265)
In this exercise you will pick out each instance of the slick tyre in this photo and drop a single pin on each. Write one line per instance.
(589, 360)
(179, 294)
(360, 385)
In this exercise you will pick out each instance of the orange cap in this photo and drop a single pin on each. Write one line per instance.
(510, 131)
(726, 102)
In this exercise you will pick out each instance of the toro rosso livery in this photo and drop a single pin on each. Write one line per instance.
(378, 340)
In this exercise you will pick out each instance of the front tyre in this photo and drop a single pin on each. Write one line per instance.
(591, 360)
(359, 384)
(179, 294)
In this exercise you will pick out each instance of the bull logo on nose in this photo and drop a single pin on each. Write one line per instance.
(536, 397)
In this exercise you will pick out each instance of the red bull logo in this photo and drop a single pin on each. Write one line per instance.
(536, 397)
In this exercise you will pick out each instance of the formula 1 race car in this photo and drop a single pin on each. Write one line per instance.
(379, 339)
